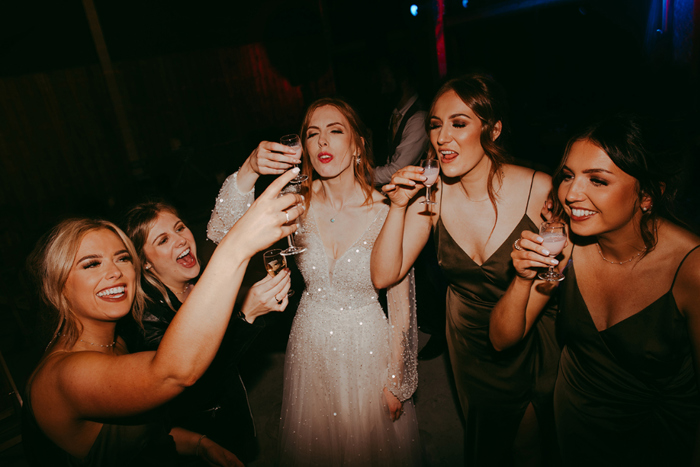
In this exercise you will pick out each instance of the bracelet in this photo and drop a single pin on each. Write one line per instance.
(199, 442)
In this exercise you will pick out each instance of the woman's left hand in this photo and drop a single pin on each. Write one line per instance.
(394, 404)
(216, 456)
(266, 295)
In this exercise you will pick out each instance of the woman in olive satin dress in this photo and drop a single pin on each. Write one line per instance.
(627, 389)
(482, 205)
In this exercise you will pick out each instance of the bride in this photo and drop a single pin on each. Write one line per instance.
(349, 371)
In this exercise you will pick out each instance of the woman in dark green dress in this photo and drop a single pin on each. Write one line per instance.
(627, 389)
(482, 205)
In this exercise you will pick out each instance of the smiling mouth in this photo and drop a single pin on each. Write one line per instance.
(581, 213)
(186, 259)
(325, 158)
(113, 293)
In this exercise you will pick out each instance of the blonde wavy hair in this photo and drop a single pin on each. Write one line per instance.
(52, 262)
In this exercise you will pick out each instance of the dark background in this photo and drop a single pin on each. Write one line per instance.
(199, 84)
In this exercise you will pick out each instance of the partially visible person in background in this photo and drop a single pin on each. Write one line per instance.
(217, 405)
(407, 139)
(407, 143)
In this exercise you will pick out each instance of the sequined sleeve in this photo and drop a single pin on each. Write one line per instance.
(403, 367)
(230, 206)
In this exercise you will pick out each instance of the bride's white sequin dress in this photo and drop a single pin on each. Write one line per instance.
(342, 352)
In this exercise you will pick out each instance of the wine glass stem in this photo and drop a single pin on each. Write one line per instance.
(290, 240)
(427, 193)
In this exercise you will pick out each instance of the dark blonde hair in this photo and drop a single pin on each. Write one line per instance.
(364, 173)
(138, 224)
(486, 98)
(53, 260)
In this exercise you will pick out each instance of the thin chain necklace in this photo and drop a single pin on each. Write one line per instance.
(104, 346)
(187, 287)
(100, 345)
(618, 262)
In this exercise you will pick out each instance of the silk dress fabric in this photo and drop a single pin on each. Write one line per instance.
(128, 441)
(626, 395)
(342, 352)
(494, 387)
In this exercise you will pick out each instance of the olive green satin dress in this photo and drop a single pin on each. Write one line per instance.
(494, 387)
(627, 395)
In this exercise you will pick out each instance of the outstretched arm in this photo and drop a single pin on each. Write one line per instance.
(238, 191)
(92, 385)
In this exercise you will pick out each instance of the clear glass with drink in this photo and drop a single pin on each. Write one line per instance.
(275, 262)
(554, 236)
(292, 249)
(294, 142)
(431, 169)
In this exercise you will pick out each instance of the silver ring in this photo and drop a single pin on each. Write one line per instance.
(516, 245)
(287, 215)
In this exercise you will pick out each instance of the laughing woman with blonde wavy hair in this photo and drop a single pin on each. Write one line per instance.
(90, 402)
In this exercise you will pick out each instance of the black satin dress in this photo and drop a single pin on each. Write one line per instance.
(627, 395)
(494, 387)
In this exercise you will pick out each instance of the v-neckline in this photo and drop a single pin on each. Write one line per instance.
(352, 245)
(506, 241)
(636, 313)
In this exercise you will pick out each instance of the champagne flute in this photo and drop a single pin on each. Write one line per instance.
(292, 249)
(294, 142)
(275, 262)
(431, 170)
(554, 235)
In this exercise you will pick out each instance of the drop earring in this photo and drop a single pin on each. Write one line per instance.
(358, 159)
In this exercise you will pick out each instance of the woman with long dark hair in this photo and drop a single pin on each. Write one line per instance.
(482, 203)
(627, 390)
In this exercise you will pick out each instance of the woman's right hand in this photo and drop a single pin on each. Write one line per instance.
(405, 183)
(266, 295)
(529, 256)
(269, 219)
(273, 158)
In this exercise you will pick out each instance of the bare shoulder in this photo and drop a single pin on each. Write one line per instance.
(683, 249)
(539, 185)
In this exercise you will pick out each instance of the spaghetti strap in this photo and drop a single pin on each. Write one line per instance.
(441, 191)
(532, 182)
(681, 264)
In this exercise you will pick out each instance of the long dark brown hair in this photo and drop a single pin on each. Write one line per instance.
(364, 173)
(622, 138)
(486, 98)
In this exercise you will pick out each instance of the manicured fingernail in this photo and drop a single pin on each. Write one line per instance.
(545, 252)
(295, 170)
(554, 262)
(540, 239)
(302, 198)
